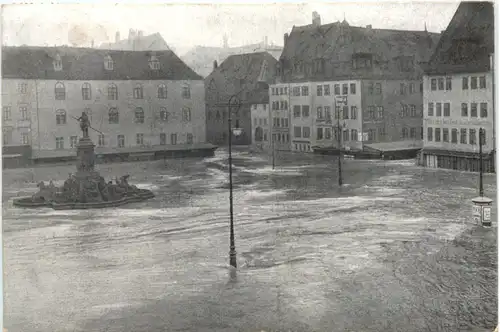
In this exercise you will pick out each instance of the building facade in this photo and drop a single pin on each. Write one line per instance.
(242, 78)
(133, 99)
(352, 87)
(260, 127)
(458, 93)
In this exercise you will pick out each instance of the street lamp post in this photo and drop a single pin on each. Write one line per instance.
(272, 146)
(340, 101)
(236, 132)
(481, 190)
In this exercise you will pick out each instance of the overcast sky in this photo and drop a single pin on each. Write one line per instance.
(186, 25)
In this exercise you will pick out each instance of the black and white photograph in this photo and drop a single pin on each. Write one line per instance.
(264, 166)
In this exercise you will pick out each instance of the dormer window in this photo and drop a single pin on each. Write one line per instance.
(319, 66)
(405, 63)
(58, 63)
(108, 63)
(362, 60)
(154, 63)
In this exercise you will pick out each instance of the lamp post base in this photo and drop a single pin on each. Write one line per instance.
(232, 258)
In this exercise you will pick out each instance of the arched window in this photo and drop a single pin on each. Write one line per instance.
(139, 115)
(60, 91)
(138, 91)
(163, 114)
(186, 114)
(61, 117)
(108, 63)
(113, 115)
(186, 91)
(162, 91)
(86, 91)
(112, 92)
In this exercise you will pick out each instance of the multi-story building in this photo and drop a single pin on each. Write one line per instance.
(247, 78)
(133, 99)
(366, 81)
(280, 117)
(458, 92)
(260, 126)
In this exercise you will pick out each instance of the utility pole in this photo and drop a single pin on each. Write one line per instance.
(481, 189)
(272, 146)
(339, 141)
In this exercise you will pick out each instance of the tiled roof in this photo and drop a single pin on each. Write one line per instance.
(242, 74)
(308, 43)
(467, 42)
(30, 62)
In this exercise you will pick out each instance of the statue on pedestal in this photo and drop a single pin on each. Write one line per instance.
(84, 124)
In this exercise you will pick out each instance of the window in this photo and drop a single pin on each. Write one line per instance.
(446, 134)
(413, 133)
(473, 83)
(381, 132)
(108, 63)
(463, 136)
(73, 141)
(354, 135)
(446, 109)
(297, 132)
(162, 91)
(378, 88)
(86, 91)
(421, 87)
(121, 141)
(345, 112)
(454, 135)
(319, 113)
(371, 134)
(484, 110)
(6, 113)
(402, 89)
(138, 91)
(186, 91)
(113, 116)
(354, 112)
(380, 112)
(441, 83)
(345, 89)
(139, 139)
(100, 140)
(306, 132)
(112, 91)
(472, 136)
(413, 111)
(319, 90)
(337, 89)
(154, 63)
(163, 139)
(482, 82)
(186, 115)
(305, 91)
(371, 112)
(139, 115)
(296, 111)
(319, 133)
(404, 133)
(164, 114)
(404, 111)
(326, 90)
(25, 138)
(305, 111)
(421, 133)
(23, 88)
(353, 88)
(411, 88)
(59, 143)
(465, 83)
(429, 134)
(438, 109)
(328, 133)
(465, 110)
(473, 110)
(296, 91)
(433, 84)
(58, 63)
(437, 135)
(61, 117)
(327, 114)
(345, 135)
(285, 105)
(448, 83)
(60, 91)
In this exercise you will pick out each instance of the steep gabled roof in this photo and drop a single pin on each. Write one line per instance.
(467, 42)
(338, 42)
(30, 62)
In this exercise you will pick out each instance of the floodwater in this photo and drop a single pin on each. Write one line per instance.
(377, 254)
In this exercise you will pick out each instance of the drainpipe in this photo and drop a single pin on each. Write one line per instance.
(37, 117)
(492, 69)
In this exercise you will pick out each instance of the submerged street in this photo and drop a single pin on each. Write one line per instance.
(394, 249)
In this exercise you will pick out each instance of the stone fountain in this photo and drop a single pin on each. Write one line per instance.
(86, 189)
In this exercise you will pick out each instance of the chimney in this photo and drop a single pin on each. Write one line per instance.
(117, 36)
(316, 19)
(285, 38)
(215, 64)
(369, 26)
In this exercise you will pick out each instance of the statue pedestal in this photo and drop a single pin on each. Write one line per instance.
(85, 156)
